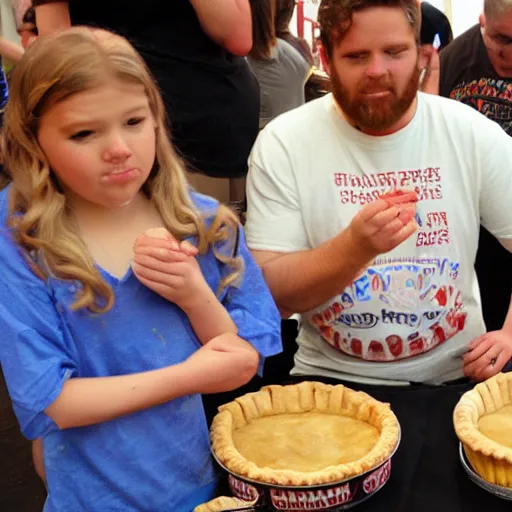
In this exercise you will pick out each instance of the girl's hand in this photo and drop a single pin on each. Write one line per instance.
(170, 269)
(488, 355)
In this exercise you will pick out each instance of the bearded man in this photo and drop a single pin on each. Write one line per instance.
(383, 301)
(386, 287)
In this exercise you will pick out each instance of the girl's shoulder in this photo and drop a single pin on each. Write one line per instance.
(205, 205)
(6, 240)
(4, 196)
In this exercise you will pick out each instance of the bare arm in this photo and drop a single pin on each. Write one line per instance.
(52, 16)
(210, 319)
(324, 272)
(227, 22)
(10, 50)
(304, 280)
(224, 364)
(170, 269)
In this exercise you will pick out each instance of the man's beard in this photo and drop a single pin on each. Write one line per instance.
(376, 114)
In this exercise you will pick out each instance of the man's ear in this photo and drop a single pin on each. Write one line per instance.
(425, 53)
(482, 20)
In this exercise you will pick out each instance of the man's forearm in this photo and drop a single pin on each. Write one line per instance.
(302, 281)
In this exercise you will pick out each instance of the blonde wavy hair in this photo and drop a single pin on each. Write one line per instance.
(54, 68)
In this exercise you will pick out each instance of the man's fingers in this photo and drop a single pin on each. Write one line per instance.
(406, 213)
(391, 228)
(383, 218)
(477, 352)
(476, 342)
(488, 356)
(494, 366)
(372, 209)
(403, 233)
(473, 368)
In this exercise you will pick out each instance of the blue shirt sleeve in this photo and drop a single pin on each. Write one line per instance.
(35, 357)
(253, 309)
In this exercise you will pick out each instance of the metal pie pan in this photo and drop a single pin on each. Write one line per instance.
(504, 493)
(333, 497)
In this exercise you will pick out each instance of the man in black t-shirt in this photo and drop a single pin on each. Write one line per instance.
(476, 69)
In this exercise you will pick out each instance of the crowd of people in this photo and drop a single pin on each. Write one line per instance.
(171, 199)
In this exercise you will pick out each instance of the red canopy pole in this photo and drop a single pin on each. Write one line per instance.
(300, 18)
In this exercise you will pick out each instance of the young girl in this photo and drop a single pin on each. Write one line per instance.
(123, 296)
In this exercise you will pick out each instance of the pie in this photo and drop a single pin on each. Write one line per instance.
(483, 422)
(221, 504)
(305, 434)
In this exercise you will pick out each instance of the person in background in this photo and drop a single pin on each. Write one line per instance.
(284, 15)
(124, 296)
(195, 50)
(27, 31)
(436, 29)
(476, 69)
(435, 34)
(379, 304)
(13, 52)
(28, 28)
(281, 70)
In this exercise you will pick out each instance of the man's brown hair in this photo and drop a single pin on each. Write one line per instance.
(335, 17)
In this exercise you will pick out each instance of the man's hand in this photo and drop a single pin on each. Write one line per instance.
(382, 225)
(488, 355)
(170, 269)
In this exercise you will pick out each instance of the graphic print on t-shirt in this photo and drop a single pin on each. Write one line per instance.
(490, 96)
(405, 304)
(394, 310)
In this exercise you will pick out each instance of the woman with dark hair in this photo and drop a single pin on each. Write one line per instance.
(435, 27)
(284, 14)
(195, 49)
(280, 69)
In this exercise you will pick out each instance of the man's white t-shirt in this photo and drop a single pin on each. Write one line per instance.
(410, 315)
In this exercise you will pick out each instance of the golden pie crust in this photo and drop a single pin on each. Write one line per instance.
(303, 435)
(481, 419)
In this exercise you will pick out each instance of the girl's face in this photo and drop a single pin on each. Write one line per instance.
(101, 143)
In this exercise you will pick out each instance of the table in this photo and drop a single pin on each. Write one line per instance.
(427, 474)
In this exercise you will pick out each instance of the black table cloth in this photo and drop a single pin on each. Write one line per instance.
(427, 474)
